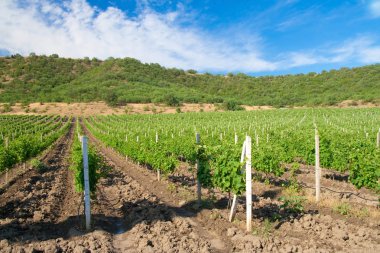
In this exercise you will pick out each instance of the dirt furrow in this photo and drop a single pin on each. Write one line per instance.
(140, 222)
(33, 199)
(39, 211)
(212, 233)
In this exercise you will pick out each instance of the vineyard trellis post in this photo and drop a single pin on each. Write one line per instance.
(248, 186)
(317, 168)
(87, 205)
(378, 139)
(6, 171)
(245, 157)
(158, 170)
(199, 192)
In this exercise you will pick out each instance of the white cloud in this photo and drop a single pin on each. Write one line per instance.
(76, 29)
(371, 55)
(374, 7)
(302, 59)
(73, 28)
(363, 49)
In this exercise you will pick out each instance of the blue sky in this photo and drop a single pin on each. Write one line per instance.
(262, 37)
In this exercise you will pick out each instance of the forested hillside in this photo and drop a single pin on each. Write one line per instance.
(119, 81)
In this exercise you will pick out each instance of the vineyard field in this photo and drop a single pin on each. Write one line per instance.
(23, 137)
(280, 137)
(143, 173)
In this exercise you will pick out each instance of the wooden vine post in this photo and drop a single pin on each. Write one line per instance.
(317, 168)
(248, 180)
(199, 192)
(87, 205)
(378, 139)
(158, 170)
(6, 147)
(245, 157)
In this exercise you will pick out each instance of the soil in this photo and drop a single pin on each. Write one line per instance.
(133, 212)
(356, 103)
(101, 108)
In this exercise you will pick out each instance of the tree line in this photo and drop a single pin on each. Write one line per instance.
(121, 81)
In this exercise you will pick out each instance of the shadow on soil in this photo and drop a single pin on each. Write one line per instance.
(337, 177)
(183, 179)
(23, 229)
(20, 230)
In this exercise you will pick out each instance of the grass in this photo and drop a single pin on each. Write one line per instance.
(38, 165)
(293, 204)
(265, 229)
(171, 187)
(363, 212)
(343, 208)
(6, 108)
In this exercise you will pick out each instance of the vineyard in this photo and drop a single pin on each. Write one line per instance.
(24, 137)
(348, 142)
(164, 182)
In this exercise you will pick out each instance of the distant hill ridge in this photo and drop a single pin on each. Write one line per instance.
(119, 81)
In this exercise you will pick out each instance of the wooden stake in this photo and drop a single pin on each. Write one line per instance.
(248, 180)
(158, 170)
(378, 139)
(87, 205)
(233, 208)
(199, 192)
(317, 168)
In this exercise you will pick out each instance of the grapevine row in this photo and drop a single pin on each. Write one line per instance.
(279, 137)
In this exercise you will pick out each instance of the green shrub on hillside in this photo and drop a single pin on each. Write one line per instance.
(121, 81)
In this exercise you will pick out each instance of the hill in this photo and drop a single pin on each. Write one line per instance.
(120, 81)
